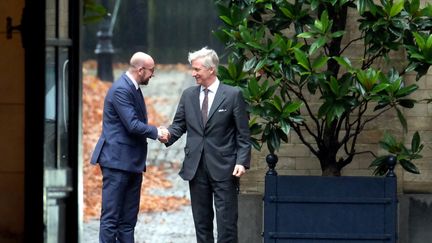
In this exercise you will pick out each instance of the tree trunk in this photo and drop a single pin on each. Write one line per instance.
(331, 170)
(328, 150)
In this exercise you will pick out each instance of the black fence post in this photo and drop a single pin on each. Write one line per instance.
(104, 49)
(270, 199)
(391, 162)
(271, 160)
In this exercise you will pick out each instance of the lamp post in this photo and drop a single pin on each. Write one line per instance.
(104, 48)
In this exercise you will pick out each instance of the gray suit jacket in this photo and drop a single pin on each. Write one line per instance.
(225, 139)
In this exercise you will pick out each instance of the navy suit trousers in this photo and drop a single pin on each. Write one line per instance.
(120, 203)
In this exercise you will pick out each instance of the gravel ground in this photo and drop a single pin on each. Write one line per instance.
(161, 227)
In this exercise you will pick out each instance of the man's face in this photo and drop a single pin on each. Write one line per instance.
(202, 75)
(145, 75)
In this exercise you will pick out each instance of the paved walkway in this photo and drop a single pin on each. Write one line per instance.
(166, 227)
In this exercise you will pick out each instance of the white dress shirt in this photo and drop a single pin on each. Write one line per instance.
(133, 80)
(211, 94)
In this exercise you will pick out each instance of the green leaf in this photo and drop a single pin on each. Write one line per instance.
(402, 120)
(255, 128)
(287, 13)
(388, 141)
(378, 161)
(301, 58)
(324, 109)
(249, 64)
(255, 144)
(92, 19)
(379, 87)
(223, 72)
(92, 6)
(277, 103)
(316, 45)
(324, 22)
(256, 45)
(274, 141)
(285, 126)
(337, 34)
(320, 62)
(344, 62)
(428, 45)
(339, 109)
(253, 88)
(419, 40)
(415, 142)
(93, 12)
(406, 90)
(396, 8)
(305, 35)
(226, 19)
(409, 166)
(269, 92)
(407, 103)
(361, 6)
(232, 70)
(291, 107)
(414, 6)
(314, 4)
(334, 85)
(269, 6)
(282, 135)
(260, 65)
(381, 170)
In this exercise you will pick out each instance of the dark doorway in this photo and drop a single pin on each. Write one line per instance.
(50, 31)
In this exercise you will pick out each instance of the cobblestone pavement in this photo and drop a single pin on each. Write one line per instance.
(165, 227)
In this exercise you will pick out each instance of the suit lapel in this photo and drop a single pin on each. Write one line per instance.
(196, 105)
(138, 99)
(219, 97)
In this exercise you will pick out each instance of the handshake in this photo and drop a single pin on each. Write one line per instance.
(163, 134)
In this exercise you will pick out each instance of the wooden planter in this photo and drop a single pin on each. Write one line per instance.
(330, 209)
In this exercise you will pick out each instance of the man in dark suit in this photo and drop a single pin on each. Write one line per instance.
(122, 150)
(217, 151)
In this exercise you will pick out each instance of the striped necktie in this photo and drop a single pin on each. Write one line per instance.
(204, 107)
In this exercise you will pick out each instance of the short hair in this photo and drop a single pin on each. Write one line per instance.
(209, 57)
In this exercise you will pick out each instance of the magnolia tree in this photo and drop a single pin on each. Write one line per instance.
(288, 54)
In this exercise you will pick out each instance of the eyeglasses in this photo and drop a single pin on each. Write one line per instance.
(150, 69)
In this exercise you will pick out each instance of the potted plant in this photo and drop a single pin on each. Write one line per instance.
(286, 55)
(303, 71)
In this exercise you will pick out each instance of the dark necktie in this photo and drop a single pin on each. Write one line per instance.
(142, 97)
(204, 108)
(140, 93)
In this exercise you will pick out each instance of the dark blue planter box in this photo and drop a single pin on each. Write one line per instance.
(330, 209)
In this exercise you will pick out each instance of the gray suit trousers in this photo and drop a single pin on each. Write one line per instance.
(202, 190)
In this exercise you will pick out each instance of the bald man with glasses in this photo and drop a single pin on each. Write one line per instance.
(121, 150)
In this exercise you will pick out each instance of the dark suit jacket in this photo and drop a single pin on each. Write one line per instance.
(225, 140)
(123, 142)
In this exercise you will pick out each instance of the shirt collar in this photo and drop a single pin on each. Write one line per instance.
(133, 80)
(213, 87)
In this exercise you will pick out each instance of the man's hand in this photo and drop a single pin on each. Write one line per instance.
(163, 134)
(239, 170)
